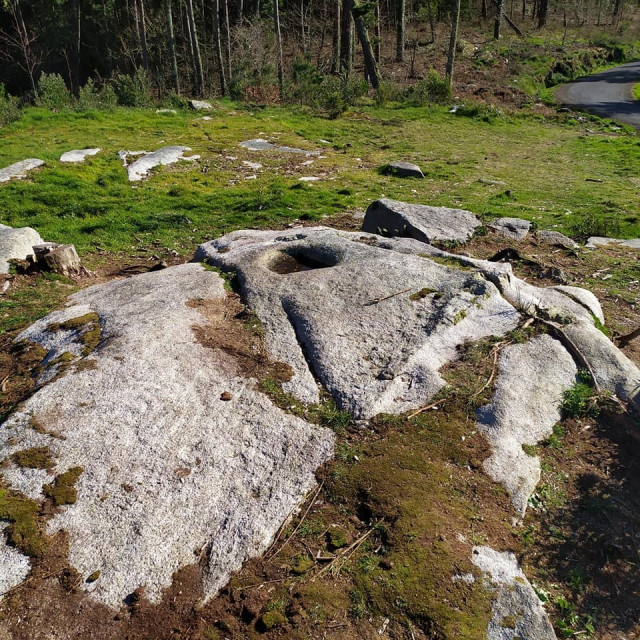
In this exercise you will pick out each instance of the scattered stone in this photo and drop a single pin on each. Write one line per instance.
(16, 244)
(309, 179)
(226, 396)
(557, 238)
(492, 183)
(515, 228)
(250, 463)
(338, 308)
(404, 170)
(252, 165)
(596, 241)
(78, 155)
(19, 170)
(393, 218)
(526, 404)
(517, 610)
(125, 155)
(171, 112)
(206, 118)
(165, 156)
(258, 144)
(200, 105)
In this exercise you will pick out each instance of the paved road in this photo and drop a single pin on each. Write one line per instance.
(607, 94)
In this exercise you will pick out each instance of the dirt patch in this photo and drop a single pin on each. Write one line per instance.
(235, 332)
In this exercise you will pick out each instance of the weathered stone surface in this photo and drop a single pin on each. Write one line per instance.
(16, 244)
(166, 112)
(596, 241)
(517, 610)
(19, 170)
(169, 466)
(404, 170)
(393, 218)
(258, 144)
(200, 105)
(338, 306)
(78, 155)
(14, 567)
(556, 238)
(165, 156)
(525, 406)
(514, 228)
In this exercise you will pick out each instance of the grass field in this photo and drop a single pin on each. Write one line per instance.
(578, 177)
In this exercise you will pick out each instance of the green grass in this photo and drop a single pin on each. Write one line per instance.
(636, 91)
(93, 205)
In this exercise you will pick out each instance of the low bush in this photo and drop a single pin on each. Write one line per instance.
(9, 107)
(134, 90)
(53, 93)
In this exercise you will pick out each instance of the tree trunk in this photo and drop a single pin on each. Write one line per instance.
(401, 8)
(498, 21)
(143, 36)
(216, 26)
(453, 41)
(431, 25)
(227, 29)
(172, 46)
(197, 59)
(78, 20)
(524, 10)
(543, 6)
(303, 43)
(346, 38)
(377, 34)
(483, 10)
(370, 65)
(276, 27)
(335, 64)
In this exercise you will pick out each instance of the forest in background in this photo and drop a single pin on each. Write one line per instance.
(130, 52)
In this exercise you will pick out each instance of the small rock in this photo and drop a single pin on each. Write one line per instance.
(393, 218)
(172, 112)
(337, 538)
(16, 244)
(557, 238)
(308, 179)
(19, 170)
(226, 396)
(387, 565)
(271, 620)
(404, 170)
(252, 165)
(259, 144)
(515, 228)
(200, 105)
(78, 155)
(596, 241)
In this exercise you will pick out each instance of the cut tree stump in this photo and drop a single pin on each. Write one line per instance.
(58, 258)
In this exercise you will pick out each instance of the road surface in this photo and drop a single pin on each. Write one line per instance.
(608, 94)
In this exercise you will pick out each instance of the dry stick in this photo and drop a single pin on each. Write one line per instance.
(571, 347)
(350, 550)
(623, 341)
(423, 409)
(392, 295)
(293, 533)
(493, 373)
(31, 579)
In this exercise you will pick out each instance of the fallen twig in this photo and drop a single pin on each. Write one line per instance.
(392, 295)
(293, 533)
(345, 555)
(623, 341)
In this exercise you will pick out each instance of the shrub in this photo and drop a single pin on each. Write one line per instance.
(9, 107)
(387, 92)
(53, 93)
(108, 97)
(434, 89)
(88, 96)
(175, 101)
(339, 93)
(135, 90)
(306, 84)
(581, 399)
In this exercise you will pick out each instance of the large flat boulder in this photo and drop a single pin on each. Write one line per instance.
(374, 323)
(427, 224)
(19, 170)
(526, 405)
(16, 244)
(179, 451)
(514, 228)
(78, 155)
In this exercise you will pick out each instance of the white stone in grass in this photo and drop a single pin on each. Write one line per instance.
(78, 155)
(16, 244)
(167, 155)
(19, 170)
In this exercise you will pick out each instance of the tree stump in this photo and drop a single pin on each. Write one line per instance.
(58, 258)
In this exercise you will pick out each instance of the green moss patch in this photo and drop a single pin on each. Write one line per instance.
(23, 531)
(34, 458)
(63, 490)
